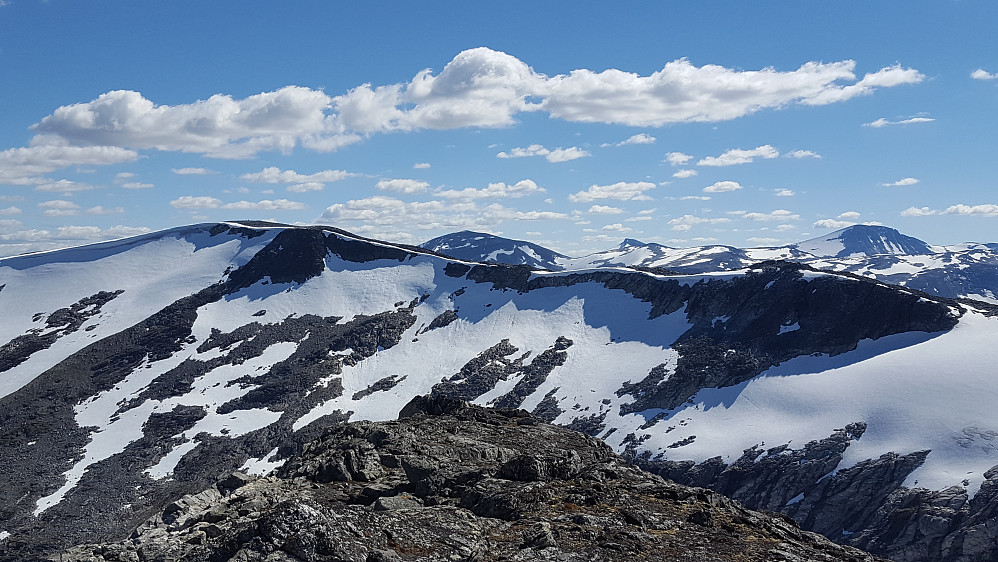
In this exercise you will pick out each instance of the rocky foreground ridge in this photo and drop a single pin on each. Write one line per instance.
(453, 481)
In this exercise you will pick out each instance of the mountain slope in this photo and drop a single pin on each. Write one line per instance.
(435, 485)
(291, 329)
(478, 246)
(867, 240)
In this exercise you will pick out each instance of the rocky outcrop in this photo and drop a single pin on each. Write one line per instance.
(449, 481)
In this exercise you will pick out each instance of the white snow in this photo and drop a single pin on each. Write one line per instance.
(155, 271)
(915, 391)
(263, 466)
(791, 328)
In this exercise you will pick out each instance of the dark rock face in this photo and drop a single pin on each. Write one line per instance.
(452, 481)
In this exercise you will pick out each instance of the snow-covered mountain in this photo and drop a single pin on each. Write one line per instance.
(882, 253)
(864, 240)
(136, 371)
(482, 247)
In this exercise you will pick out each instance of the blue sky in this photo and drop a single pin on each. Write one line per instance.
(574, 125)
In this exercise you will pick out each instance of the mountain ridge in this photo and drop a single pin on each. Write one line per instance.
(286, 331)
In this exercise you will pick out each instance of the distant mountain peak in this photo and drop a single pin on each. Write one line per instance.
(631, 243)
(479, 246)
(864, 239)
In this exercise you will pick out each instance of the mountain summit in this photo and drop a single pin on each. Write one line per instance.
(864, 239)
(479, 246)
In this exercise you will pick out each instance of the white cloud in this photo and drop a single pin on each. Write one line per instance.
(740, 156)
(17, 242)
(420, 165)
(605, 210)
(623, 191)
(849, 215)
(304, 187)
(265, 205)
(785, 193)
(196, 202)
(98, 210)
(640, 138)
(556, 155)
(884, 122)
(638, 218)
(981, 74)
(59, 208)
(274, 174)
(722, 186)
(567, 154)
(901, 182)
(121, 176)
(402, 186)
(918, 212)
(137, 185)
(493, 191)
(192, 171)
(799, 154)
(678, 158)
(694, 198)
(10, 211)
(220, 126)
(686, 222)
(685, 173)
(392, 217)
(26, 165)
(832, 223)
(616, 227)
(63, 186)
(682, 92)
(978, 210)
(777, 215)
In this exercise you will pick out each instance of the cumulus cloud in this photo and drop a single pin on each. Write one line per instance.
(640, 138)
(981, 74)
(63, 186)
(722, 186)
(987, 210)
(498, 190)
(59, 208)
(99, 210)
(605, 210)
(420, 165)
(305, 187)
(777, 215)
(832, 224)
(221, 126)
(196, 202)
(556, 155)
(27, 165)
(785, 193)
(20, 241)
(12, 210)
(686, 222)
(800, 154)
(393, 218)
(137, 185)
(274, 174)
(192, 171)
(265, 205)
(678, 158)
(850, 215)
(686, 173)
(616, 227)
(402, 185)
(901, 182)
(623, 191)
(882, 122)
(739, 156)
